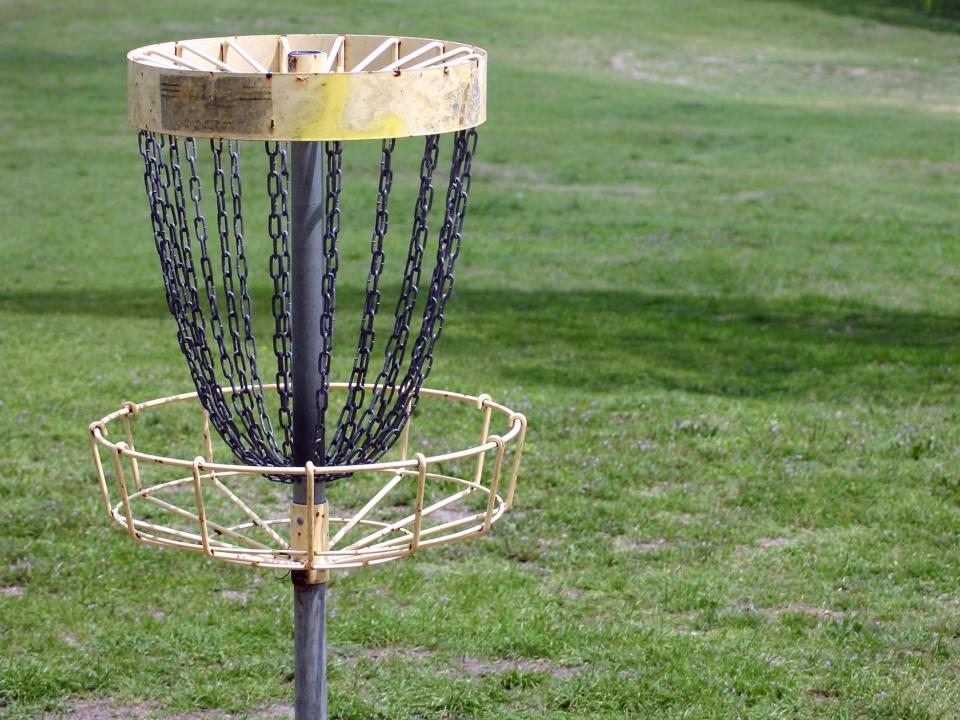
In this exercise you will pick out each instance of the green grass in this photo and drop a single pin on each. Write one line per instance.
(711, 252)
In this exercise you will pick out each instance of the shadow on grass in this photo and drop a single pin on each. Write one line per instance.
(731, 346)
(616, 341)
(943, 17)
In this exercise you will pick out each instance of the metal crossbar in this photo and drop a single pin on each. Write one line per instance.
(384, 57)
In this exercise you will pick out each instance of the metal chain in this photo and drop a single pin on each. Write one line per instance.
(184, 260)
(395, 348)
(244, 422)
(244, 382)
(177, 257)
(346, 424)
(248, 362)
(331, 262)
(441, 287)
(190, 336)
(216, 405)
(278, 226)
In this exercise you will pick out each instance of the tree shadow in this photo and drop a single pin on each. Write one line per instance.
(730, 346)
(944, 15)
(613, 341)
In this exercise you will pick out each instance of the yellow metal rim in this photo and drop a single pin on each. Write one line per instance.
(307, 87)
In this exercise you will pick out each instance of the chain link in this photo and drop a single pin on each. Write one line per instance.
(278, 227)
(244, 382)
(220, 414)
(174, 263)
(346, 424)
(331, 263)
(395, 348)
(441, 287)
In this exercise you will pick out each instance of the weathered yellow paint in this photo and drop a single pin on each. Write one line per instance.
(307, 106)
(334, 116)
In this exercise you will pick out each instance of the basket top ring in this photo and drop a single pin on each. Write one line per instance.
(307, 87)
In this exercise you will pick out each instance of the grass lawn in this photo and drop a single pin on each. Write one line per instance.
(711, 252)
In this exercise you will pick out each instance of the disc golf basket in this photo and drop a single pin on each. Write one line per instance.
(200, 470)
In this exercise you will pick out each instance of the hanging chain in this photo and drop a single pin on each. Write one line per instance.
(395, 348)
(441, 287)
(278, 226)
(331, 262)
(264, 427)
(184, 259)
(181, 234)
(346, 424)
(163, 179)
(231, 365)
(216, 404)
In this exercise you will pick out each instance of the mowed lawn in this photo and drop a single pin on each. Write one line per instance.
(711, 252)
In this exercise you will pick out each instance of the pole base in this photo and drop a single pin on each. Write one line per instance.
(310, 647)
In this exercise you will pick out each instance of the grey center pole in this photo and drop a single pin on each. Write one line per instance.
(306, 305)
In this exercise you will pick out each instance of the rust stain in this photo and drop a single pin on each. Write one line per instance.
(463, 105)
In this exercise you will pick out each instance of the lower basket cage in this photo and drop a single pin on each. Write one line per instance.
(377, 513)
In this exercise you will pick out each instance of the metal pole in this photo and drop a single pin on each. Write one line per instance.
(306, 306)
(310, 649)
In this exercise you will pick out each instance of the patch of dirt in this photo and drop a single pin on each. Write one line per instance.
(632, 545)
(109, 710)
(500, 171)
(528, 180)
(393, 651)
(238, 596)
(475, 667)
(653, 491)
(747, 196)
(12, 591)
(626, 190)
(768, 543)
(449, 514)
(101, 710)
(276, 711)
(949, 603)
(629, 64)
(898, 83)
(21, 564)
(820, 613)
